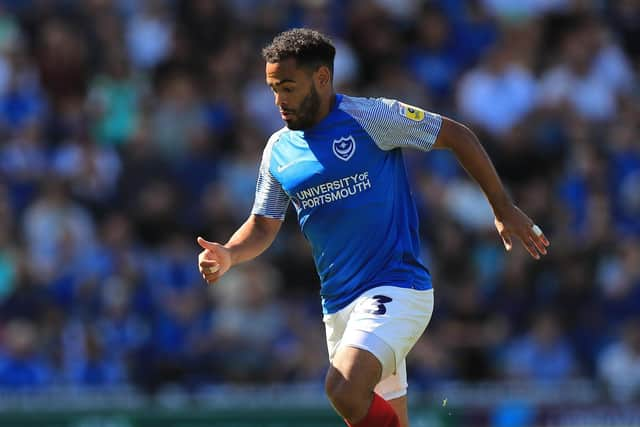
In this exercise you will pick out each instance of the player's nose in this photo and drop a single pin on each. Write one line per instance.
(280, 101)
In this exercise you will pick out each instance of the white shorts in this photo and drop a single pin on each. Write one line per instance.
(386, 321)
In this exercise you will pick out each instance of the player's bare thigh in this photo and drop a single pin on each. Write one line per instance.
(351, 378)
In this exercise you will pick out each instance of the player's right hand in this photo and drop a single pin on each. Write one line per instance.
(213, 261)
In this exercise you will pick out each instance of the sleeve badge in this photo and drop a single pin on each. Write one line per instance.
(412, 113)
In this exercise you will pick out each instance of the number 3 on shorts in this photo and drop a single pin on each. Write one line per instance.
(378, 304)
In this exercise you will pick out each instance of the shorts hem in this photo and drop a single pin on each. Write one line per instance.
(374, 344)
(394, 394)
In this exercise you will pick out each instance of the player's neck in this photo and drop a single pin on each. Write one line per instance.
(326, 105)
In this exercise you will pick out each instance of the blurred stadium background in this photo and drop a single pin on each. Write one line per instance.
(128, 127)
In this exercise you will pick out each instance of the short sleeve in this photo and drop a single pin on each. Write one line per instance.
(270, 200)
(394, 124)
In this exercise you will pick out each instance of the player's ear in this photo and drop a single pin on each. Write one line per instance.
(323, 76)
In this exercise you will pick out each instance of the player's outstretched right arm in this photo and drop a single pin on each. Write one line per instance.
(249, 241)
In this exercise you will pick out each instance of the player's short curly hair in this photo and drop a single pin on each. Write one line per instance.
(309, 48)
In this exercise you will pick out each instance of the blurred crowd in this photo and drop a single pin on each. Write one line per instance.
(129, 127)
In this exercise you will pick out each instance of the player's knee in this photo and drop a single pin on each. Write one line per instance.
(345, 396)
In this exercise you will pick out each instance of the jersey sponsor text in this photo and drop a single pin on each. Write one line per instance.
(331, 191)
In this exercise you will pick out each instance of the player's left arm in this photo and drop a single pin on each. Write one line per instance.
(509, 219)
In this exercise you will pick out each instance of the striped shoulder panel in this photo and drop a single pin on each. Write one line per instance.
(270, 200)
(394, 124)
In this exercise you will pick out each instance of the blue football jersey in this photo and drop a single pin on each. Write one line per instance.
(347, 181)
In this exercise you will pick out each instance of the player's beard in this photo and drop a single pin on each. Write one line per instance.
(307, 111)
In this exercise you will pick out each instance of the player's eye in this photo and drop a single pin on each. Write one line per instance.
(287, 90)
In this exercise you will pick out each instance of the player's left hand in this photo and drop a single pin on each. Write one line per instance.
(513, 222)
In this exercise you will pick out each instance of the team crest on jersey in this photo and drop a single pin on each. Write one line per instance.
(412, 113)
(344, 147)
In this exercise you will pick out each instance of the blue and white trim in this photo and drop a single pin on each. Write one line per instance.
(271, 200)
(386, 121)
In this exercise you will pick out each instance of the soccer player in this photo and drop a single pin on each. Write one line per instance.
(339, 161)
